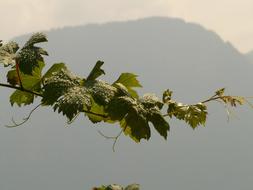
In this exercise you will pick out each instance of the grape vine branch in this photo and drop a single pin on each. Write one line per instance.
(100, 101)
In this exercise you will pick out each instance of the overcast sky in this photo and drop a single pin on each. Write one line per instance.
(231, 19)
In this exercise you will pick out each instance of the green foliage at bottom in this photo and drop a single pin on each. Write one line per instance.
(118, 187)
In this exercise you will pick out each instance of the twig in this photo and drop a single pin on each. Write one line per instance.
(24, 119)
(211, 99)
(21, 89)
(113, 137)
(18, 73)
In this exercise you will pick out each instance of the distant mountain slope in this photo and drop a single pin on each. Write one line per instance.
(250, 56)
(165, 52)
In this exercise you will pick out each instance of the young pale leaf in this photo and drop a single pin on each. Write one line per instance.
(96, 71)
(233, 100)
(29, 55)
(229, 100)
(220, 92)
(167, 96)
(7, 53)
(129, 81)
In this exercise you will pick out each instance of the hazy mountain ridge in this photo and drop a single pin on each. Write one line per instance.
(165, 53)
(163, 47)
(249, 56)
(128, 45)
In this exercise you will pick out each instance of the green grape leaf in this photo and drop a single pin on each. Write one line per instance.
(153, 106)
(35, 38)
(101, 115)
(160, 124)
(29, 82)
(119, 107)
(114, 187)
(96, 71)
(103, 187)
(29, 56)
(58, 84)
(136, 127)
(134, 123)
(132, 187)
(74, 101)
(12, 77)
(101, 91)
(63, 90)
(151, 101)
(8, 53)
(122, 90)
(21, 98)
(53, 69)
(134, 115)
(194, 115)
(129, 81)
(33, 82)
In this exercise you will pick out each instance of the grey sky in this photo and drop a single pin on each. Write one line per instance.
(231, 19)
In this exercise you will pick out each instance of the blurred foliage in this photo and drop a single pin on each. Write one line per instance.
(118, 187)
